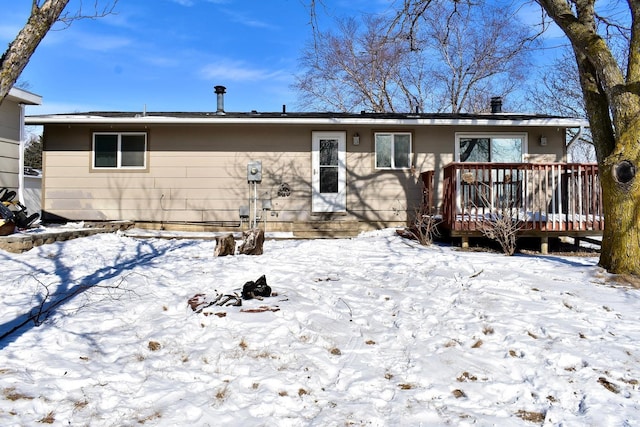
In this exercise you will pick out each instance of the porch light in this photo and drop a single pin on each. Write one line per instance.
(356, 139)
(543, 140)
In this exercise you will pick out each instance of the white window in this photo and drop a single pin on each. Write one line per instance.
(491, 148)
(393, 150)
(119, 150)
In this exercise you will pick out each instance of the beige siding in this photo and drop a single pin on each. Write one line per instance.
(9, 163)
(198, 173)
(9, 143)
(10, 120)
(10, 132)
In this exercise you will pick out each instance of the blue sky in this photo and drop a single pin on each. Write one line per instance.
(169, 54)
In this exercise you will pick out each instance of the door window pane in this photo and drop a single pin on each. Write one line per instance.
(328, 179)
(506, 150)
(474, 150)
(328, 166)
(328, 152)
(496, 150)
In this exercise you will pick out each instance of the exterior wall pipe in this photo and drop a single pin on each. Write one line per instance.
(220, 91)
(576, 136)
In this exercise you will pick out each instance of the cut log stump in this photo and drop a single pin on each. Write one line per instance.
(225, 245)
(252, 242)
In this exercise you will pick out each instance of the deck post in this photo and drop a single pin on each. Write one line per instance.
(544, 245)
(465, 242)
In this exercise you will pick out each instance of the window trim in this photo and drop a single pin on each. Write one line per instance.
(524, 136)
(393, 134)
(119, 166)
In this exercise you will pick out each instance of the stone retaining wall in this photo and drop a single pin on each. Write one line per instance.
(21, 242)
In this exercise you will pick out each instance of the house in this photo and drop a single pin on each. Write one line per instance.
(313, 174)
(12, 137)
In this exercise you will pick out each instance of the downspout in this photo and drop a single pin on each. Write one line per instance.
(575, 137)
(21, 156)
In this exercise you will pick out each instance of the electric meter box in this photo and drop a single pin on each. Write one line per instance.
(254, 171)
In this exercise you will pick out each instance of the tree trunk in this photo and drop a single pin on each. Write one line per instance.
(17, 56)
(621, 192)
(612, 101)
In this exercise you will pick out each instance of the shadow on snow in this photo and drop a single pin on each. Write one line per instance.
(68, 287)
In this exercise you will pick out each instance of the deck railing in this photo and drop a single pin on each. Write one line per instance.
(541, 196)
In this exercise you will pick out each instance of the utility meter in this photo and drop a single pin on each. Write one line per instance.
(244, 212)
(254, 171)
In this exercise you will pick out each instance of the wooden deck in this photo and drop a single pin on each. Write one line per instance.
(543, 198)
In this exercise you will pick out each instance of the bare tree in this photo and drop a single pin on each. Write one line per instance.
(558, 92)
(458, 58)
(44, 14)
(476, 53)
(354, 68)
(611, 92)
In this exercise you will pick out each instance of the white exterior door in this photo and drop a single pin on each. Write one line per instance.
(328, 172)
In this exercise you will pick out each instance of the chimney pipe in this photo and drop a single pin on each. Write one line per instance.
(220, 91)
(496, 104)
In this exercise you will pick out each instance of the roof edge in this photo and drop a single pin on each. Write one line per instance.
(22, 96)
(307, 119)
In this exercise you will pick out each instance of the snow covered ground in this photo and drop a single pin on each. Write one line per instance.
(371, 331)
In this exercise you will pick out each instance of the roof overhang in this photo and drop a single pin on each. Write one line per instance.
(285, 119)
(22, 96)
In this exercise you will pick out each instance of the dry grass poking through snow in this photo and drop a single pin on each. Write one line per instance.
(10, 393)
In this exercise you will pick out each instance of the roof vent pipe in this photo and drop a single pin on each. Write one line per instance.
(496, 104)
(220, 91)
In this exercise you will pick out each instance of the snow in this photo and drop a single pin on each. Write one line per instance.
(374, 330)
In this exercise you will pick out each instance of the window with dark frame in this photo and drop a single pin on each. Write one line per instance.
(119, 150)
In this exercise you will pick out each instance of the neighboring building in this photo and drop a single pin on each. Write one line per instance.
(12, 137)
(322, 173)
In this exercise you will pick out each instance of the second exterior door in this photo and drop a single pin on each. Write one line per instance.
(328, 172)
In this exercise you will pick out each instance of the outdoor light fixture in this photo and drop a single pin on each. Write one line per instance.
(543, 141)
(356, 139)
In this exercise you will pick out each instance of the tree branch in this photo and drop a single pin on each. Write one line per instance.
(48, 304)
(44, 14)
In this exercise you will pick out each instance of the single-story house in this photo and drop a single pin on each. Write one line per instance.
(313, 174)
(12, 137)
